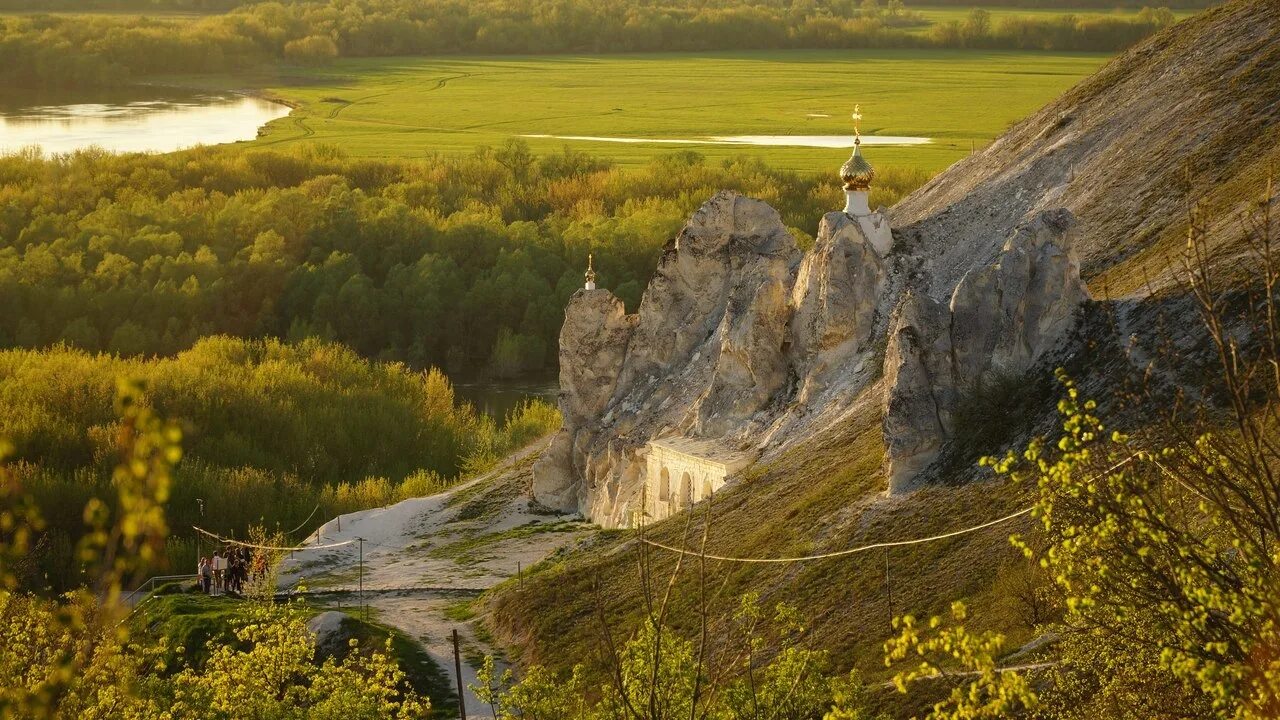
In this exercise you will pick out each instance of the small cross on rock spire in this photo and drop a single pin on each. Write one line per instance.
(857, 173)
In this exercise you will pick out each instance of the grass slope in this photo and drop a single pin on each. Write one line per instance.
(413, 106)
(824, 495)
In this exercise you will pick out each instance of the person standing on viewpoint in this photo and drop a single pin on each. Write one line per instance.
(219, 568)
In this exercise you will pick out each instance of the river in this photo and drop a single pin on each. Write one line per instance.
(138, 119)
(497, 399)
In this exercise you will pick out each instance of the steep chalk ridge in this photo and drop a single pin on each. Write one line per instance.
(742, 339)
(1001, 318)
(1188, 115)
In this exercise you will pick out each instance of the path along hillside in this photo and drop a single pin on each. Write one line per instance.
(425, 559)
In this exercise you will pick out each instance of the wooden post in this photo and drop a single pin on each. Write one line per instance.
(519, 576)
(362, 613)
(457, 668)
(888, 581)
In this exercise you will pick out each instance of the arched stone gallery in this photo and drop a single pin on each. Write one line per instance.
(684, 471)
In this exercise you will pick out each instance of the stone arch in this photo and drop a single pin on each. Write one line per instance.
(706, 488)
(686, 489)
(664, 485)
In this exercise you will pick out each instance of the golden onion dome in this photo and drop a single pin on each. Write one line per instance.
(856, 172)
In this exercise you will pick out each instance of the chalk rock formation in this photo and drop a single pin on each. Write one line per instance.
(741, 341)
(921, 388)
(593, 343)
(1002, 317)
(835, 297)
(719, 274)
(700, 357)
(333, 631)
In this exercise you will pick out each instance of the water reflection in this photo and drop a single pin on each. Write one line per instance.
(497, 399)
(162, 122)
(813, 141)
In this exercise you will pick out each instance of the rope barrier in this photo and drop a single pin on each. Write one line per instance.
(873, 546)
(841, 553)
(304, 522)
(297, 548)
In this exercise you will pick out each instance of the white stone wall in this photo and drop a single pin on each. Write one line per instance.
(875, 226)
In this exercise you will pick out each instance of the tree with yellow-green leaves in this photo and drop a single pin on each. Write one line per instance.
(73, 657)
(270, 672)
(1164, 542)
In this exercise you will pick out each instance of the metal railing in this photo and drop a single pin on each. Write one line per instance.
(132, 597)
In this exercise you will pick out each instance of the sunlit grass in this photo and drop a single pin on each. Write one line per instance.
(410, 107)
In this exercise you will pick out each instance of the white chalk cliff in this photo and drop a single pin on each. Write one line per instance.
(744, 340)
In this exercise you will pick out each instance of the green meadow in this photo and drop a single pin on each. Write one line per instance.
(411, 107)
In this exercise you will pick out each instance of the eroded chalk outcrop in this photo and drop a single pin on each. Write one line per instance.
(837, 291)
(742, 341)
(919, 398)
(593, 344)
(702, 355)
(1001, 318)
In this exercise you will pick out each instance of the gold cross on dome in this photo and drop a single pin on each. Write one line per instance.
(857, 119)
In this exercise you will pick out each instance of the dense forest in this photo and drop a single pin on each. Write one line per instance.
(45, 50)
(205, 6)
(463, 263)
(270, 431)
(182, 270)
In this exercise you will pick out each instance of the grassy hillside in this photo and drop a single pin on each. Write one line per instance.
(822, 496)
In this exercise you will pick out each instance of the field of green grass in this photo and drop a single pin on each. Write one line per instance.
(409, 107)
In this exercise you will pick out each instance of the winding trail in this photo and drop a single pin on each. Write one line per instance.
(425, 560)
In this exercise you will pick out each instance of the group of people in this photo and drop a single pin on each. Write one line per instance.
(228, 569)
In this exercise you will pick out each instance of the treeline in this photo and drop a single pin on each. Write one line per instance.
(78, 50)
(464, 263)
(1054, 32)
(1068, 5)
(270, 431)
(139, 6)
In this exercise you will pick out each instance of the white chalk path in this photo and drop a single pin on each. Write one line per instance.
(420, 553)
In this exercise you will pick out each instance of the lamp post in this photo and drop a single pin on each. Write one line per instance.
(199, 537)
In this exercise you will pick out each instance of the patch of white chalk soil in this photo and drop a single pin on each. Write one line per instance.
(419, 558)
